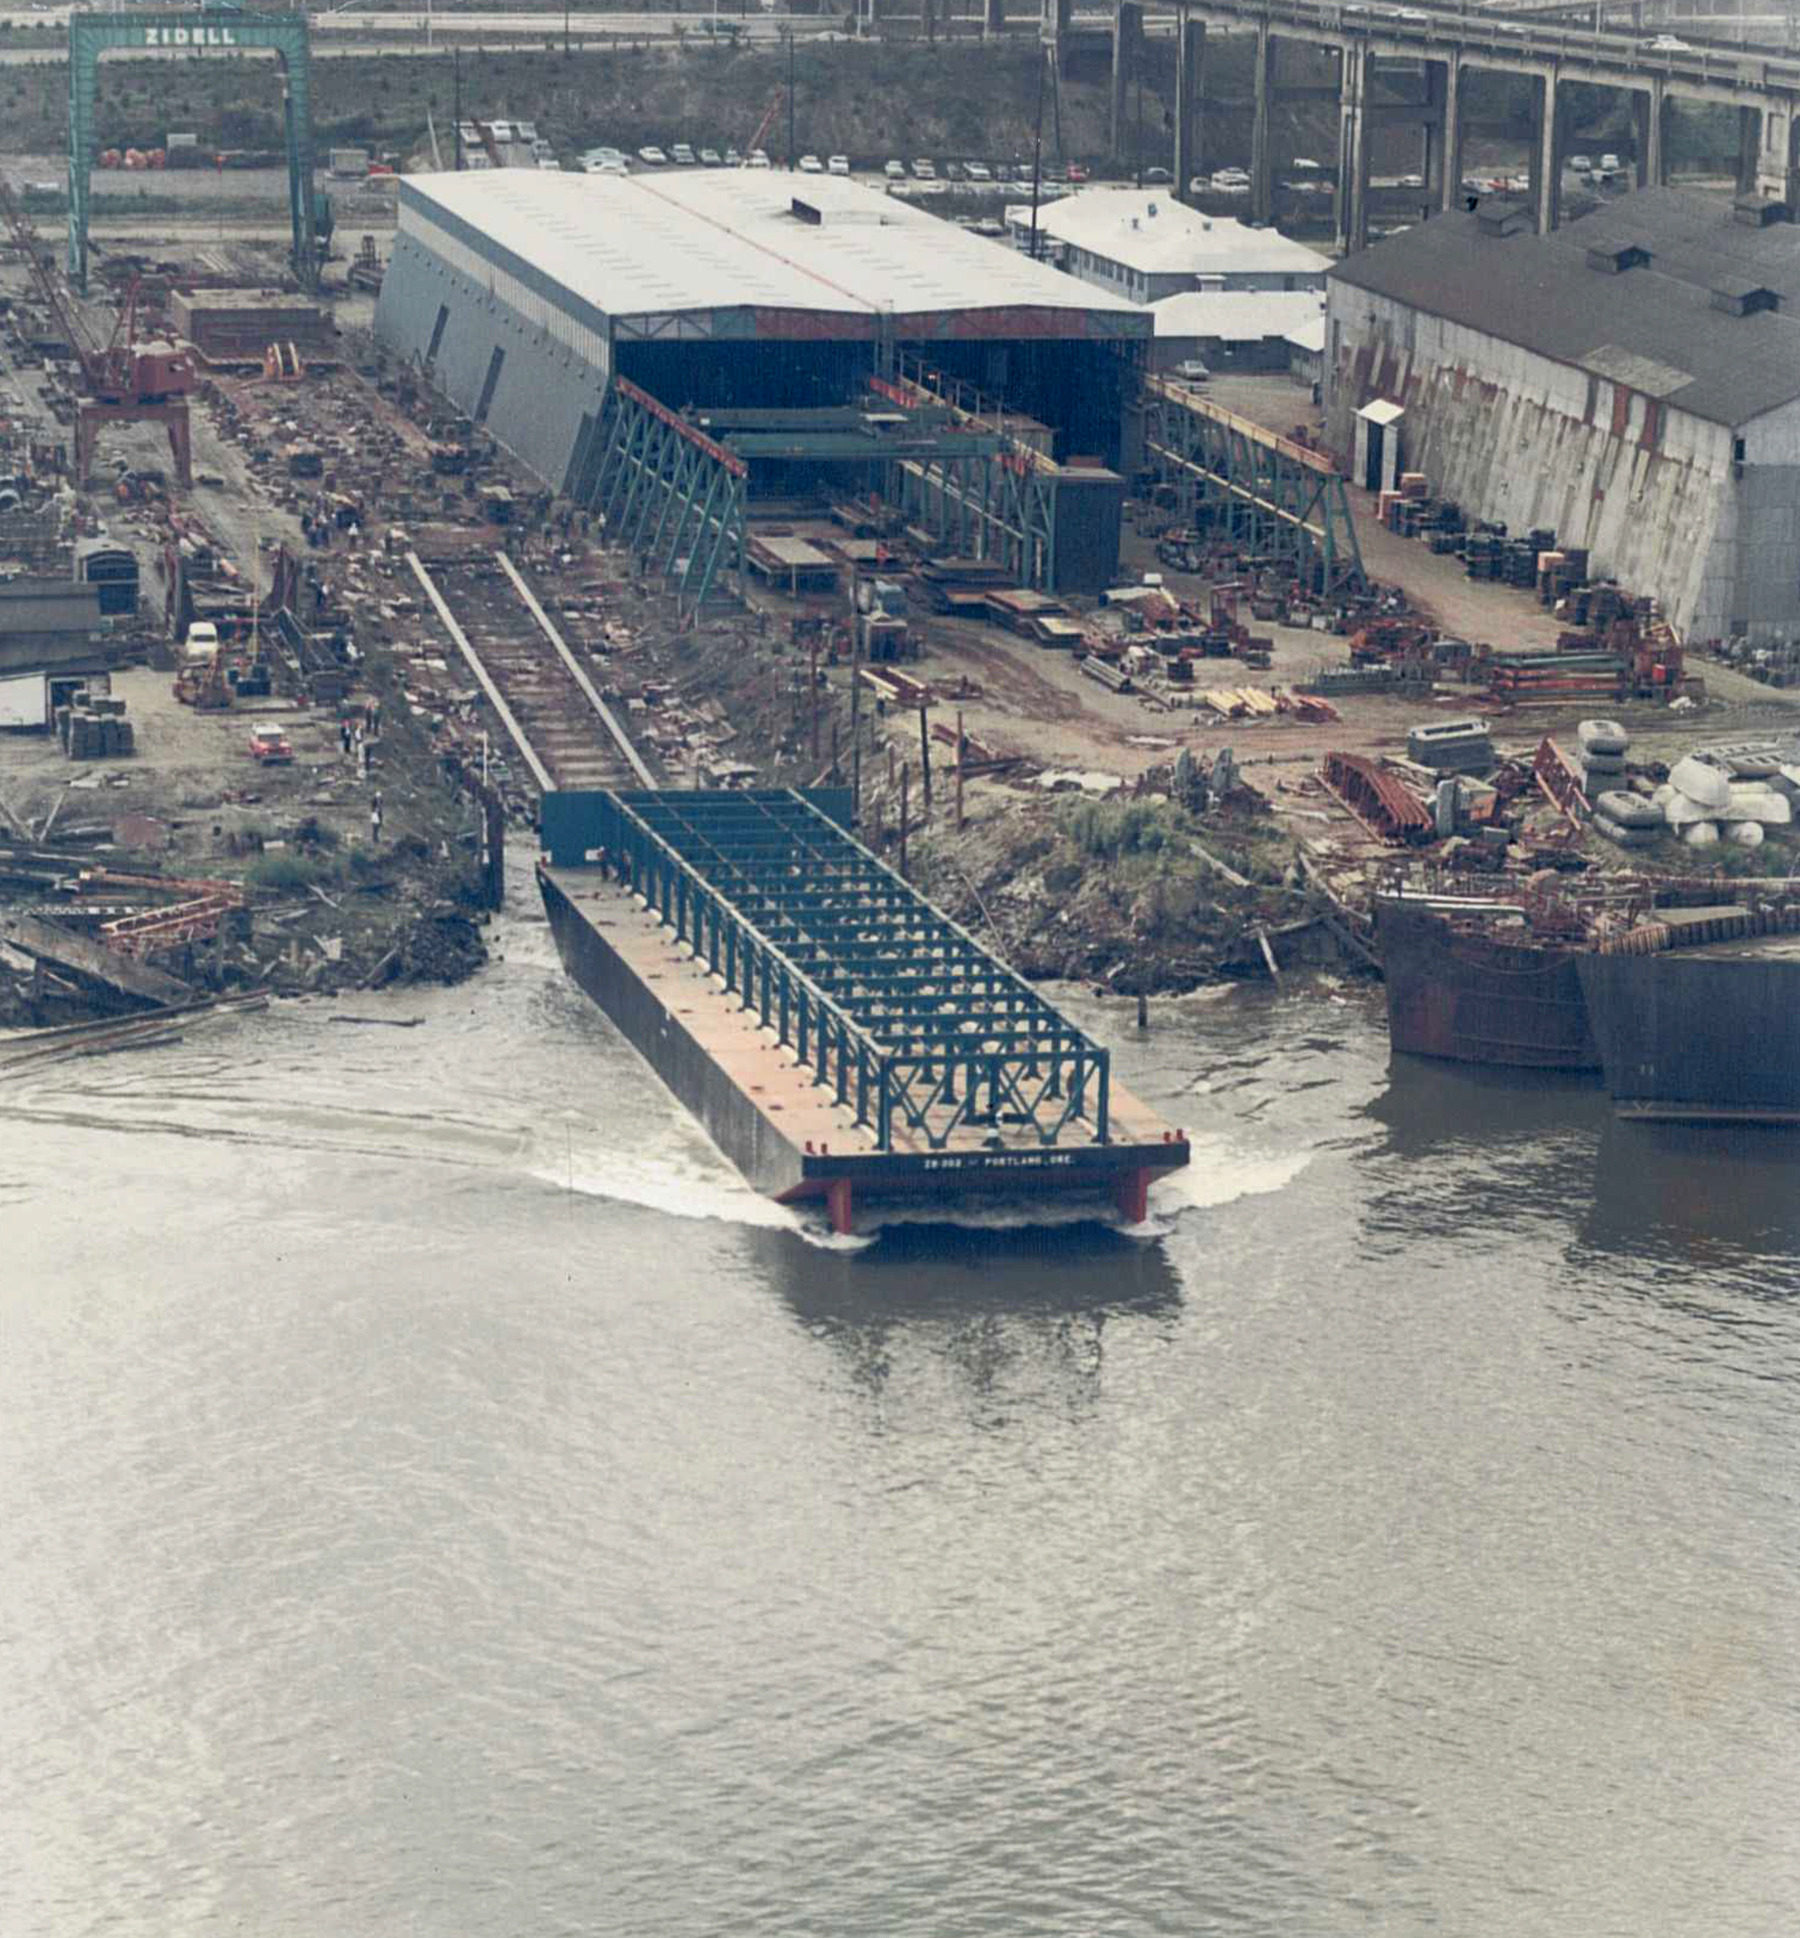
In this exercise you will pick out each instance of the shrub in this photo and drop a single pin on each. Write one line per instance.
(314, 833)
(1108, 829)
(288, 872)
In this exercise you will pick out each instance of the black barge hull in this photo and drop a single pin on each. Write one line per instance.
(1707, 1035)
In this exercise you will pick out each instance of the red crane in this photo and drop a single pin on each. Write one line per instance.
(766, 123)
(125, 382)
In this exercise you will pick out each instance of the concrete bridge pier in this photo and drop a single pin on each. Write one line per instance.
(1647, 110)
(1353, 151)
(1549, 140)
(1781, 161)
(1262, 180)
(1128, 56)
(993, 19)
(1750, 138)
(1057, 18)
(1190, 82)
(1443, 134)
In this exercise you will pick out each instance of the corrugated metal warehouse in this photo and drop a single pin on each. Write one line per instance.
(552, 307)
(1630, 381)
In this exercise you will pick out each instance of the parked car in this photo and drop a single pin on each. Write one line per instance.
(1610, 164)
(683, 154)
(1157, 178)
(1190, 370)
(811, 165)
(1230, 181)
(269, 745)
(709, 158)
(758, 159)
(924, 169)
(895, 171)
(1668, 44)
(1411, 181)
(978, 171)
(1305, 165)
(1076, 172)
(838, 165)
(733, 159)
(1581, 163)
(652, 156)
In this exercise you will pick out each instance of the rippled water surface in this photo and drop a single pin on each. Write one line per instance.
(436, 1497)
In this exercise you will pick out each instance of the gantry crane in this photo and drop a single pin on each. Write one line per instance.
(125, 382)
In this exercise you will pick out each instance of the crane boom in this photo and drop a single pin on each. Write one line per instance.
(766, 123)
(125, 382)
(68, 319)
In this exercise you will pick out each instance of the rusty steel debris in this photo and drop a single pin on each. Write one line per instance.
(1383, 804)
(1561, 782)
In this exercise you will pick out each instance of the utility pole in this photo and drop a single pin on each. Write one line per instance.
(791, 150)
(855, 726)
(456, 70)
(1037, 150)
(1138, 142)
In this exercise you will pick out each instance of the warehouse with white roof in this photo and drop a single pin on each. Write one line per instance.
(1145, 245)
(528, 297)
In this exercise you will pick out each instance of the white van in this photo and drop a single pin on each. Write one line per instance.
(202, 643)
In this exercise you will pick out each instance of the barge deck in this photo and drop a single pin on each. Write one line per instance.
(840, 1040)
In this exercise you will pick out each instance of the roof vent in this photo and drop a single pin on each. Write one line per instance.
(1757, 212)
(1500, 215)
(1740, 296)
(1614, 258)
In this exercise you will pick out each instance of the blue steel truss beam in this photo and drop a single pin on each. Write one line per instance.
(886, 1002)
(669, 493)
(1274, 497)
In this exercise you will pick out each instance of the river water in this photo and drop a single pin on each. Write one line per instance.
(436, 1497)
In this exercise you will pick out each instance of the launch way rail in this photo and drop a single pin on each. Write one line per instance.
(546, 698)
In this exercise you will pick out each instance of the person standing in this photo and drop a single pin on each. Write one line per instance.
(375, 819)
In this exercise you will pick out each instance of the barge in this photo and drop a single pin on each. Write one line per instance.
(1697, 1015)
(840, 1040)
(1476, 980)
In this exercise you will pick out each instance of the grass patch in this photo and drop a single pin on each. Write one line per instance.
(289, 873)
(1113, 830)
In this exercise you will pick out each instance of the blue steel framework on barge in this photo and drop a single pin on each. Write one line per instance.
(948, 1071)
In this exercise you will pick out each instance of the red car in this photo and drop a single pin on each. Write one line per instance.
(1077, 172)
(270, 746)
